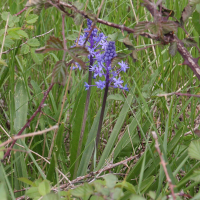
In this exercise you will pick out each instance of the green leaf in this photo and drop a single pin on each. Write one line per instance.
(33, 42)
(3, 192)
(187, 12)
(198, 8)
(110, 180)
(27, 181)
(116, 97)
(126, 185)
(21, 105)
(116, 130)
(38, 58)
(189, 42)
(8, 42)
(44, 187)
(24, 49)
(12, 19)
(140, 27)
(22, 33)
(51, 196)
(194, 2)
(59, 72)
(89, 146)
(115, 36)
(83, 191)
(79, 51)
(136, 197)
(118, 58)
(173, 48)
(128, 43)
(168, 26)
(32, 18)
(73, 36)
(196, 175)
(196, 21)
(194, 149)
(78, 19)
(2, 62)
(154, 27)
(76, 128)
(4, 15)
(33, 193)
(53, 44)
(1, 152)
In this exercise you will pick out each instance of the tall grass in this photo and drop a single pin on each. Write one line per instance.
(129, 119)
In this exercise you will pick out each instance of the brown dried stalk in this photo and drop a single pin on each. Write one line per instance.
(163, 163)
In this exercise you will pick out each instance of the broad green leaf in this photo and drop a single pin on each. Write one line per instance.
(79, 51)
(198, 8)
(44, 187)
(196, 175)
(110, 180)
(97, 198)
(27, 181)
(38, 58)
(118, 58)
(115, 36)
(21, 105)
(53, 44)
(89, 146)
(12, 19)
(194, 149)
(140, 27)
(3, 192)
(116, 97)
(154, 27)
(8, 42)
(136, 197)
(78, 19)
(33, 42)
(128, 43)
(116, 130)
(22, 33)
(51, 196)
(33, 192)
(168, 26)
(24, 49)
(189, 42)
(196, 21)
(83, 191)
(187, 12)
(194, 2)
(76, 128)
(32, 18)
(173, 48)
(4, 15)
(73, 36)
(2, 62)
(127, 186)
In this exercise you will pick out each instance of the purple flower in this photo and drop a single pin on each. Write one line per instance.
(125, 88)
(123, 65)
(117, 82)
(86, 86)
(100, 84)
(110, 51)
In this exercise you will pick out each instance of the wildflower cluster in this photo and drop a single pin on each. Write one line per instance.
(101, 53)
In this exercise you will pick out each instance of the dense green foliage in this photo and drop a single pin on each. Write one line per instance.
(44, 166)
